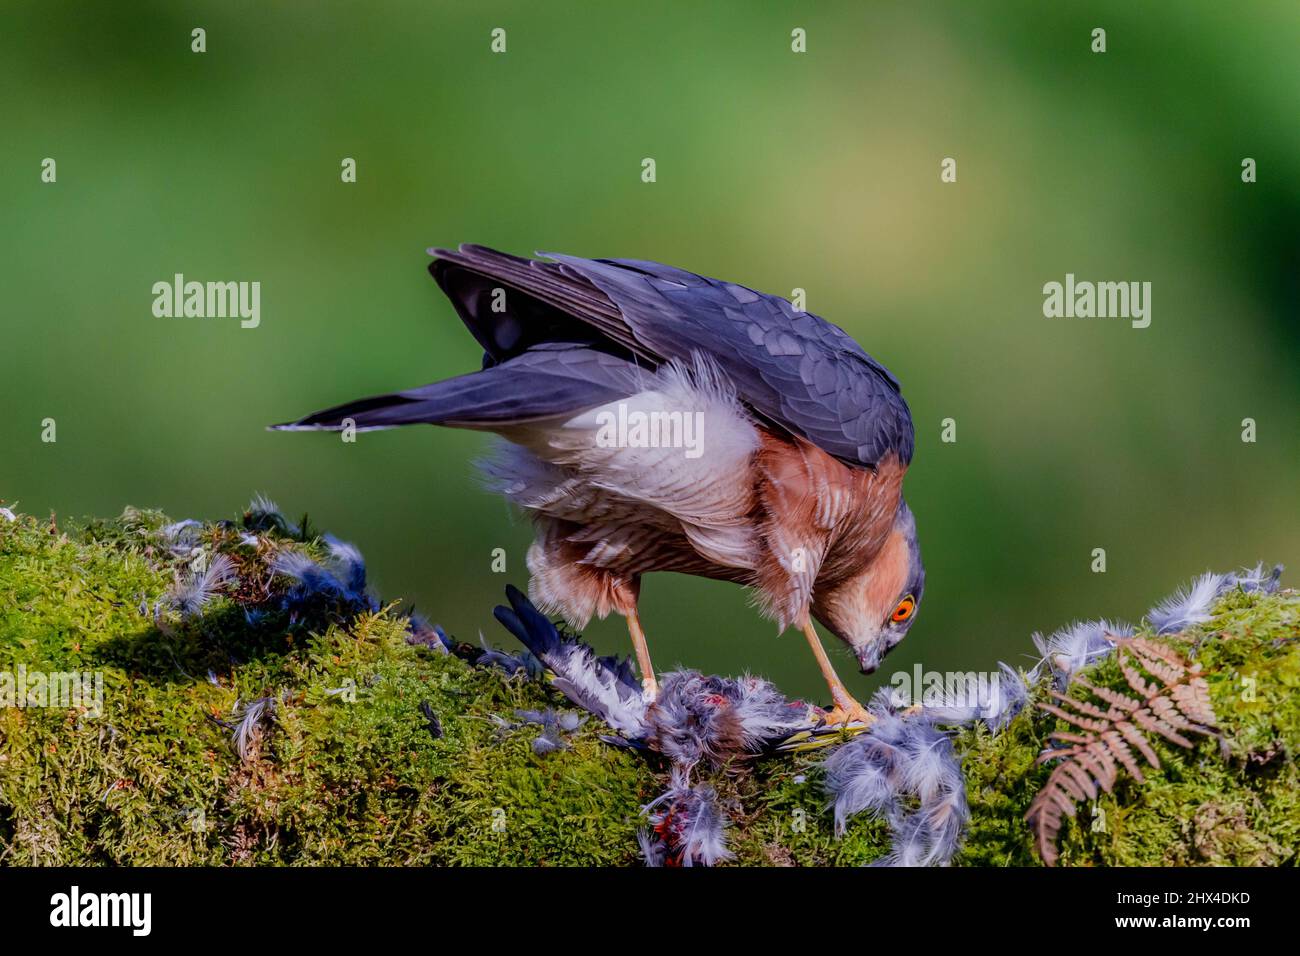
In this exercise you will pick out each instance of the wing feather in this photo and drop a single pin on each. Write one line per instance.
(794, 369)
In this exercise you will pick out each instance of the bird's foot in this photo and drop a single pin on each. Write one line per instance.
(846, 711)
(649, 689)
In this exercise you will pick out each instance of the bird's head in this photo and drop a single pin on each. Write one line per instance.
(873, 610)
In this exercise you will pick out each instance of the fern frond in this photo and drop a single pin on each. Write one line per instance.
(1117, 745)
(1131, 736)
(1193, 699)
(1119, 703)
(1168, 699)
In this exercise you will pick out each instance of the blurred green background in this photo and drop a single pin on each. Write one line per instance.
(775, 169)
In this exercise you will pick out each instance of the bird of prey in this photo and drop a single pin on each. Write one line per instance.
(659, 420)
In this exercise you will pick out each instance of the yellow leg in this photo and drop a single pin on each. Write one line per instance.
(649, 686)
(846, 710)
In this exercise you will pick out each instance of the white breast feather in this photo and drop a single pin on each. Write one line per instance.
(679, 446)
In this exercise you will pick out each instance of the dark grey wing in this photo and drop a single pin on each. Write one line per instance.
(548, 380)
(794, 369)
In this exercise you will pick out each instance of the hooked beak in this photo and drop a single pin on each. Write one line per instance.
(869, 655)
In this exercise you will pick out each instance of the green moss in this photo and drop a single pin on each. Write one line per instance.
(348, 772)
(1231, 800)
(337, 779)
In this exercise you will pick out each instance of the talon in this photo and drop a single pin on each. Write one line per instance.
(847, 711)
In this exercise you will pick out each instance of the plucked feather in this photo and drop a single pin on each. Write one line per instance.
(688, 826)
(1075, 646)
(1191, 605)
(901, 757)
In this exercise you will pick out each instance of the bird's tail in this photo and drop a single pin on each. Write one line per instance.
(463, 400)
(544, 354)
(535, 386)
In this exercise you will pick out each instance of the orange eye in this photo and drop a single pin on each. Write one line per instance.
(904, 609)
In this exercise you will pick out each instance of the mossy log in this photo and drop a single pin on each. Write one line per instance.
(349, 767)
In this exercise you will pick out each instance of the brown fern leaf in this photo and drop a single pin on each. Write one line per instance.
(1136, 680)
(1175, 703)
(1156, 650)
(1082, 706)
(1068, 738)
(1083, 723)
(1098, 762)
(1150, 722)
(1167, 709)
(1131, 736)
(1117, 745)
(1119, 703)
(1193, 699)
